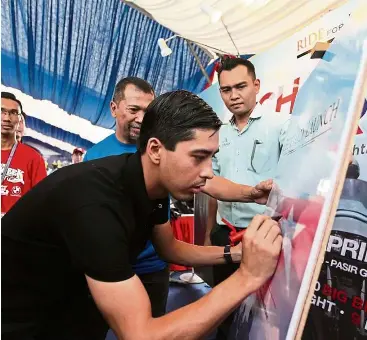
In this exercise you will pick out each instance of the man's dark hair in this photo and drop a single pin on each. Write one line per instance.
(173, 117)
(228, 64)
(11, 96)
(25, 116)
(142, 85)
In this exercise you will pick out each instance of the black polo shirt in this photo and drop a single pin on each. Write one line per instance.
(91, 218)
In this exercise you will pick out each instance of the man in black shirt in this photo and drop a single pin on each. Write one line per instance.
(81, 228)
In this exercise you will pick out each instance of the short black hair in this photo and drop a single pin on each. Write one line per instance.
(141, 84)
(228, 64)
(172, 118)
(11, 96)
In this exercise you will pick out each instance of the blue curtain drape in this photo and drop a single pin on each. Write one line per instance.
(72, 52)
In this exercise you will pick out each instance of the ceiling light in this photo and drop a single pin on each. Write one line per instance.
(165, 50)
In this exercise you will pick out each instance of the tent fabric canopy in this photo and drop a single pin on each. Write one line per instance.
(64, 57)
(71, 53)
(254, 25)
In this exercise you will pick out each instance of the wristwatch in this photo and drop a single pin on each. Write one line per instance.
(227, 254)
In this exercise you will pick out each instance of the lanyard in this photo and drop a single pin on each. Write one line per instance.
(5, 170)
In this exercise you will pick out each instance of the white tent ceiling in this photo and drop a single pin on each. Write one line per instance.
(254, 25)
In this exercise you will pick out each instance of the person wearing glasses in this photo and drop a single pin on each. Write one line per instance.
(22, 167)
(249, 149)
(81, 229)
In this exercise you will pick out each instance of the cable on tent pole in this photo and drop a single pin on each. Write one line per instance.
(198, 62)
(225, 26)
(212, 48)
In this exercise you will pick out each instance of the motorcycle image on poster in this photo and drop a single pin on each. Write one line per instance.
(339, 304)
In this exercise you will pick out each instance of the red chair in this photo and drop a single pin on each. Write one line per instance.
(183, 230)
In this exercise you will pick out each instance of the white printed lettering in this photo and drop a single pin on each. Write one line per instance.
(357, 250)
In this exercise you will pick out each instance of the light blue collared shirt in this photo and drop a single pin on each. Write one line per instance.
(249, 157)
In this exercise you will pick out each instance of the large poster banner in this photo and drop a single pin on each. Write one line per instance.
(284, 69)
(309, 180)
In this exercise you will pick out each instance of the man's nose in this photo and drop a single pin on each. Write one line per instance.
(207, 171)
(139, 116)
(5, 117)
(234, 94)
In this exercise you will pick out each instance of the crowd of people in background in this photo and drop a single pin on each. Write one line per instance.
(22, 165)
(251, 128)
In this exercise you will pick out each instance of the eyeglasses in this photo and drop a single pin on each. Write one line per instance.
(10, 113)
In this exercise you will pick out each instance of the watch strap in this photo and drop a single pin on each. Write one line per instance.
(227, 254)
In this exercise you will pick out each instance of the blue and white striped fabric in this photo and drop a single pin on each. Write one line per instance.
(72, 53)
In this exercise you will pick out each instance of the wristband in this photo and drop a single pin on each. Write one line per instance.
(227, 254)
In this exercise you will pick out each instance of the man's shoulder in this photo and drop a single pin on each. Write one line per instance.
(109, 147)
(268, 110)
(30, 151)
(103, 142)
(109, 139)
(283, 117)
(225, 128)
(274, 118)
(112, 163)
(33, 148)
(96, 149)
(94, 181)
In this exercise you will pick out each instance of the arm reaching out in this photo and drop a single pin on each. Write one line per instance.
(225, 190)
(126, 306)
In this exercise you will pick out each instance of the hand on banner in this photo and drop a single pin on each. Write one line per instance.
(261, 246)
(260, 192)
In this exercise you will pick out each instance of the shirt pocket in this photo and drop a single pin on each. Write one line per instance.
(259, 156)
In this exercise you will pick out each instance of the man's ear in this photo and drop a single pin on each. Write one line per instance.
(154, 150)
(257, 85)
(113, 108)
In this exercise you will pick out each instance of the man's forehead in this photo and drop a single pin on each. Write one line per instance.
(204, 140)
(9, 104)
(209, 134)
(133, 93)
(237, 75)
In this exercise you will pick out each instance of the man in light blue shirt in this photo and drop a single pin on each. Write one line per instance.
(249, 149)
(131, 98)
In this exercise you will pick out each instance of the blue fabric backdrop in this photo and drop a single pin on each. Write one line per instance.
(72, 53)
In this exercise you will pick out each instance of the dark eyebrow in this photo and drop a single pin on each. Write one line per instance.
(204, 151)
(235, 85)
(134, 107)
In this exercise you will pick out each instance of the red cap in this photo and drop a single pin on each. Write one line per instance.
(78, 150)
